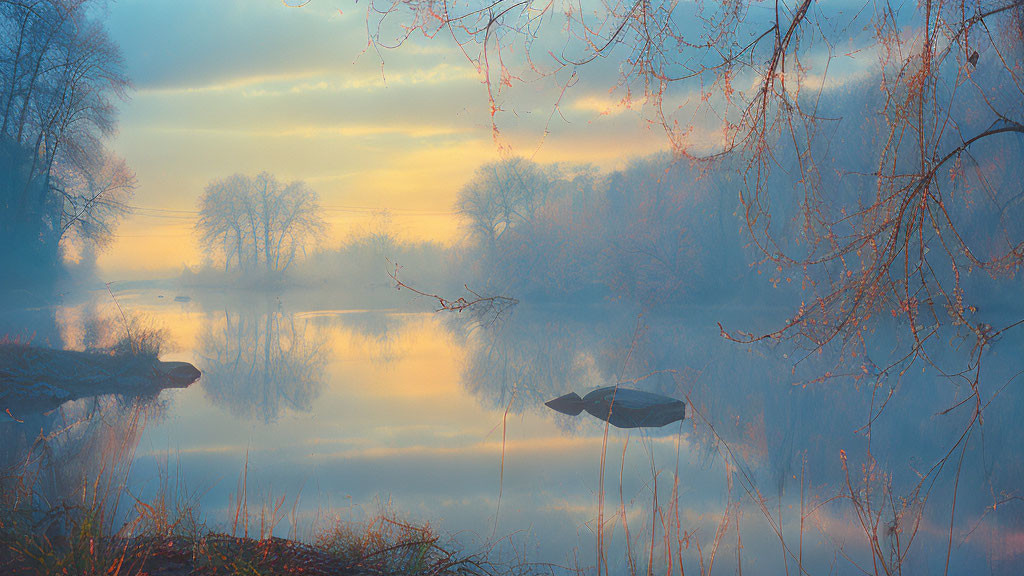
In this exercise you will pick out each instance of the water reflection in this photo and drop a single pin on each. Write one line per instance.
(76, 457)
(379, 329)
(878, 456)
(25, 317)
(77, 403)
(260, 361)
(532, 356)
(414, 412)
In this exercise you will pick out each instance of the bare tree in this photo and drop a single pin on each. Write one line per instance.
(752, 80)
(60, 75)
(503, 195)
(881, 210)
(227, 221)
(258, 224)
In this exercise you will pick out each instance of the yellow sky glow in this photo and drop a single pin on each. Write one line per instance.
(402, 137)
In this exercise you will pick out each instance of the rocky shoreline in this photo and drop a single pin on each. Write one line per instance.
(34, 378)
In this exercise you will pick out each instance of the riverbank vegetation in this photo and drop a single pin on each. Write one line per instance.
(91, 536)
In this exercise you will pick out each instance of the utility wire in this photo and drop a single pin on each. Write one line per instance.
(327, 208)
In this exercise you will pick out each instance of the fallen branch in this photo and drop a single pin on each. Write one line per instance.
(476, 303)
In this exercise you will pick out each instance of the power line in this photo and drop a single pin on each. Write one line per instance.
(166, 216)
(399, 211)
(151, 209)
(171, 213)
(151, 235)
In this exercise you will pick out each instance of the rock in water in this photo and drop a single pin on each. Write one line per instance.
(623, 407)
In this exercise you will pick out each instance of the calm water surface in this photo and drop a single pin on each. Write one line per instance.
(347, 411)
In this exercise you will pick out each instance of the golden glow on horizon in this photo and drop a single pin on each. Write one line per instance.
(417, 186)
(402, 137)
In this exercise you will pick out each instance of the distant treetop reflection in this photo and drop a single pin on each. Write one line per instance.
(535, 356)
(773, 416)
(260, 363)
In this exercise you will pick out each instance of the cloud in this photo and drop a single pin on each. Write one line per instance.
(196, 45)
(236, 86)
(438, 74)
(232, 84)
(310, 131)
(604, 105)
(329, 80)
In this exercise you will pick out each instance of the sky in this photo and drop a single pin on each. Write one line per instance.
(244, 86)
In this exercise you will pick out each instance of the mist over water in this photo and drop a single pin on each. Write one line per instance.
(381, 297)
(348, 411)
(412, 379)
(360, 383)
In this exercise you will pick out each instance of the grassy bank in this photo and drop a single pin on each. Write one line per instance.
(161, 537)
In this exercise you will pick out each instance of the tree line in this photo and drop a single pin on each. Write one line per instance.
(551, 232)
(60, 79)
